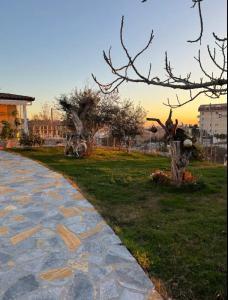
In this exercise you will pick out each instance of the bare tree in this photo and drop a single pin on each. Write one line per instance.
(44, 114)
(212, 85)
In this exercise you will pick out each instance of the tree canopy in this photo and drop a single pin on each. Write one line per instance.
(87, 111)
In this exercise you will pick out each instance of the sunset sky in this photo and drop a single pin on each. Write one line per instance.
(48, 47)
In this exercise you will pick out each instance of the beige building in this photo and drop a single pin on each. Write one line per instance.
(213, 119)
(48, 129)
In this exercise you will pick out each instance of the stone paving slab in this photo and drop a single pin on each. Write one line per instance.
(53, 243)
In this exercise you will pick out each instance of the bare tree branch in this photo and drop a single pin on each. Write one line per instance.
(219, 39)
(198, 4)
(159, 122)
(212, 85)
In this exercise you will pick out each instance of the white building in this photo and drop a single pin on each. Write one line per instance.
(213, 119)
(14, 107)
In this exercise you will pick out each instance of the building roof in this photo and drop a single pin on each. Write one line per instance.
(213, 107)
(6, 96)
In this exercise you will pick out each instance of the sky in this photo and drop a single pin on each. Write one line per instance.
(50, 47)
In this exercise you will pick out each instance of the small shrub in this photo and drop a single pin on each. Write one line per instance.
(160, 177)
(164, 178)
(30, 140)
(198, 153)
(188, 177)
(7, 131)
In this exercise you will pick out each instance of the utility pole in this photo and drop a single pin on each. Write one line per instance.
(52, 122)
(211, 133)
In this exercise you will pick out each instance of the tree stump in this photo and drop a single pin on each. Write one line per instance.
(180, 148)
(176, 170)
(179, 162)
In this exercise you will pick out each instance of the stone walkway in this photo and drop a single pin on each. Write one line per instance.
(54, 245)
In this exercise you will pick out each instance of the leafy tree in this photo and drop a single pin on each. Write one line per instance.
(127, 123)
(87, 111)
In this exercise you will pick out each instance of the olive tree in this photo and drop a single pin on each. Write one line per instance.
(87, 111)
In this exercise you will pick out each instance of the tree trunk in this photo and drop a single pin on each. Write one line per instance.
(114, 143)
(90, 146)
(177, 165)
(128, 145)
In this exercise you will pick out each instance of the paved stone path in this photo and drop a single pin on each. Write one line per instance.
(54, 245)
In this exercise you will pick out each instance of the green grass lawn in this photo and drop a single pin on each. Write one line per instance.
(177, 235)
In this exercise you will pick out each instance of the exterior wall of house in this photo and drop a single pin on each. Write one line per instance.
(10, 103)
(7, 113)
